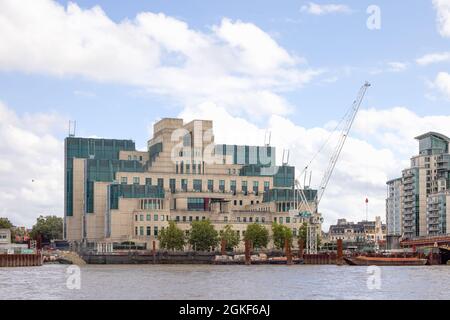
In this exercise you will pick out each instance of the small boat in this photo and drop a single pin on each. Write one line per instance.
(384, 261)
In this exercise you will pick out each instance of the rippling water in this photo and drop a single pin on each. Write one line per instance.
(225, 282)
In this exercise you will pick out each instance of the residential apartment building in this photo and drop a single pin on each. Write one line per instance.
(423, 190)
(394, 206)
(115, 193)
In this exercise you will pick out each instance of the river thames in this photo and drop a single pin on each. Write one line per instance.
(265, 282)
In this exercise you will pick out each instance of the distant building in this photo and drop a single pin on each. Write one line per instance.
(5, 236)
(424, 191)
(369, 232)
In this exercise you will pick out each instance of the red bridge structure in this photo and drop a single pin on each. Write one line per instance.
(429, 241)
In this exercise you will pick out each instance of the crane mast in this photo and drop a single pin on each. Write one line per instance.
(343, 137)
(299, 195)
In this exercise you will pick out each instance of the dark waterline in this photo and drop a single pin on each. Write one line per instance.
(225, 282)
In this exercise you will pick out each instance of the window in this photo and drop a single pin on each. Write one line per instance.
(235, 202)
(123, 180)
(184, 184)
(148, 231)
(244, 187)
(196, 204)
(233, 186)
(190, 218)
(197, 218)
(161, 217)
(141, 230)
(198, 185)
(135, 180)
(245, 219)
(238, 219)
(211, 185)
(161, 182)
(263, 219)
(281, 220)
(148, 216)
(225, 219)
(256, 187)
(136, 217)
(148, 181)
(266, 186)
(136, 231)
(141, 217)
(251, 202)
(155, 217)
(288, 220)
(240, 202)
(184, 218)
(222, 185)
(203, 218)
(257, 219)
(177, 218)
(250, 219)
(172, 185)
(188, 168)
(129, 158)
(155, 231)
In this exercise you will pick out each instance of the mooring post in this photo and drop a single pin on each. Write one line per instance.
(339, 252)
(154, 251)
(301, 247)
(247, 252)
(287, 250)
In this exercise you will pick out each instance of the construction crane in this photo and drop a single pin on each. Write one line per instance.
(312, 214)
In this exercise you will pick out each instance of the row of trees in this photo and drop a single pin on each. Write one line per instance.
(48, 228)
(203, 236)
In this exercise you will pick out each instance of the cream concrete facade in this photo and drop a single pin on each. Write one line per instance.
(198, 182)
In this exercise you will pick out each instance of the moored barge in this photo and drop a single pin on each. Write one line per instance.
(384, 261)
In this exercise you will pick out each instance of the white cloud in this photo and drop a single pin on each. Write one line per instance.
(442, 83)
(443, 16)
(397, 66)
(378, 148)
(323, 9)
(433, 58)
(234, 63)
(31, 166)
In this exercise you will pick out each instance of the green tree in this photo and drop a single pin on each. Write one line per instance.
(280, 234)
(6, 224)
(257, 234)
(302, 232)
(172, 237)
(49, 227)
(230, 236)
(203, 236)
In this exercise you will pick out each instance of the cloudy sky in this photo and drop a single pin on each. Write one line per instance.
(293, 68)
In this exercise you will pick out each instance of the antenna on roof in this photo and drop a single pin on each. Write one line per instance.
(267, 137)
(72, 128)
(285, 159)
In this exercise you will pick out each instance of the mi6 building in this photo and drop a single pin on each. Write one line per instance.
(115, 193)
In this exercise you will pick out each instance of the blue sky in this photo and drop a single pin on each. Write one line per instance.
(41, 78)
(335, 42)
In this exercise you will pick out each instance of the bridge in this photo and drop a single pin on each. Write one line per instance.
(427, 241)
